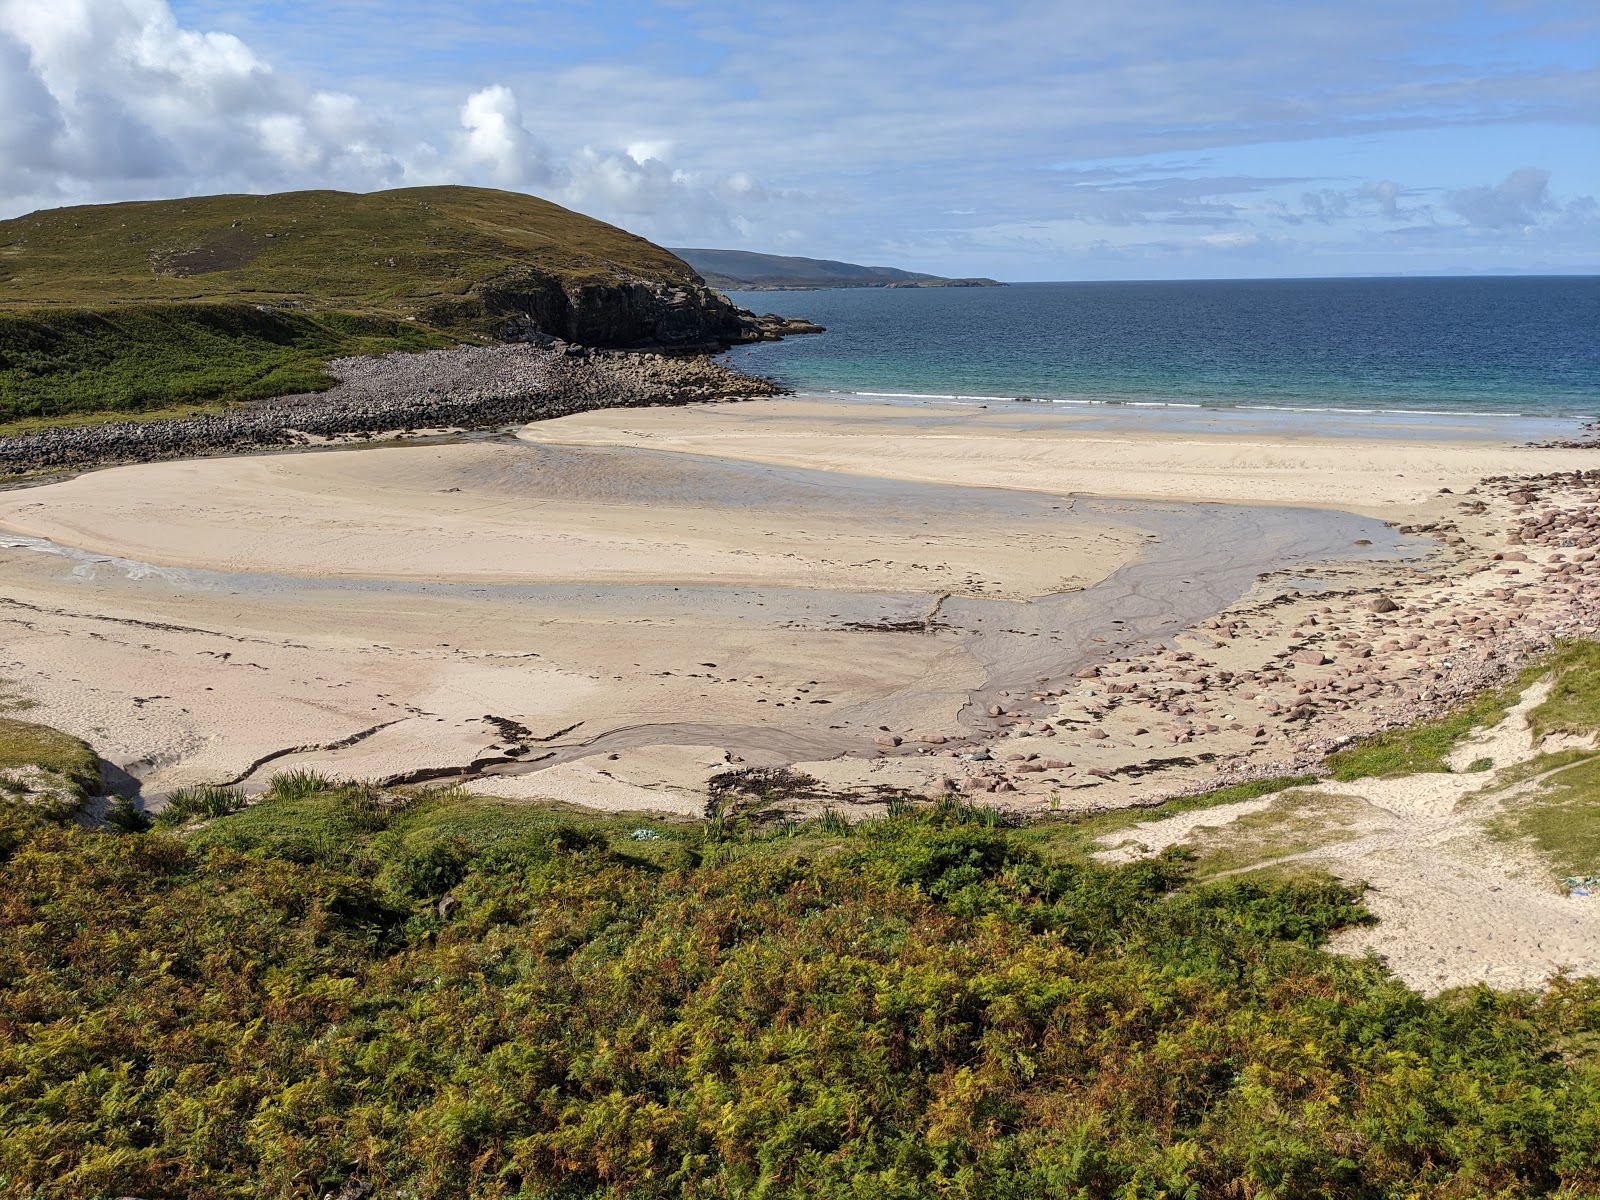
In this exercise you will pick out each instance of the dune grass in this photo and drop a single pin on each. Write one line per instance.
(24, 744)
(1560, 819)
(1573, 705)
(1426, 745)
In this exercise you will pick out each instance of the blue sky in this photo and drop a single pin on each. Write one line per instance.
(1141, 139)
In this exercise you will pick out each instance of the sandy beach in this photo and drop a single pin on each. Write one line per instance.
(1048, 613)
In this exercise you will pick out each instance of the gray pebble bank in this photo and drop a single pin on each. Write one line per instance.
(468, 387)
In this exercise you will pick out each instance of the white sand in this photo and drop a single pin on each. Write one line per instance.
(1016, 447)
(447, 513)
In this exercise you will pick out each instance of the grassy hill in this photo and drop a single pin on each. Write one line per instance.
(140, 305)
(410, 252)
(778, 272)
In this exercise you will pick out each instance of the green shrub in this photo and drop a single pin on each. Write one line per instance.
(133, 358)
(201, 802)
(124, 816)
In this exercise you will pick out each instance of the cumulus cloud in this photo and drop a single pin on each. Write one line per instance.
(1520, 199)
(496, 141)
(114, 99)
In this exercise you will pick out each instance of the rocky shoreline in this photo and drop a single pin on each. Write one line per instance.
(1274, 684)
(465, 388)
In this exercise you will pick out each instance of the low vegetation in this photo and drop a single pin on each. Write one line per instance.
(1427, 745)
(443, 996)
(136, 358)
(44, 769)
(1573, 705)
(397, 253)
(1560, 818)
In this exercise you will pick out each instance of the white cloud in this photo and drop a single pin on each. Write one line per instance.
(113, 99)
(497, 143)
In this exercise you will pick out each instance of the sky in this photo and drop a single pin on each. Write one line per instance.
(1070, 139)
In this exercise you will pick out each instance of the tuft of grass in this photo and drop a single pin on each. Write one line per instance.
(205, 801)
(833, 824)
(297, 784)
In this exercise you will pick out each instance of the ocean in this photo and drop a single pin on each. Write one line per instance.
(1514, 346)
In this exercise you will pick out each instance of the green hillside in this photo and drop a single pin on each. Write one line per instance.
(139, 306)
(423, 252)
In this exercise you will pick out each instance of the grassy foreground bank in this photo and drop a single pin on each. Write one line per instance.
(443, 996)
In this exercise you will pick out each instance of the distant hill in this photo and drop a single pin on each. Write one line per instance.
(149, 304)
(776, 272)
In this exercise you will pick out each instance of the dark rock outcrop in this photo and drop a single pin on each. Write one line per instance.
(622, 314)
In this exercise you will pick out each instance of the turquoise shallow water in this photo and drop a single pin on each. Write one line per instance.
(1526, 346)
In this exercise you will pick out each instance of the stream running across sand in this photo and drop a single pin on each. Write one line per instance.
(1195, 560)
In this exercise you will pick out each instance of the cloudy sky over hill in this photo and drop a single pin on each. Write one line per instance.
(1143, 139)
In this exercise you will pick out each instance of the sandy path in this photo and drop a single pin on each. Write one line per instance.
(1455, 906)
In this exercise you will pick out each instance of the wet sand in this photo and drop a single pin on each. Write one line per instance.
(630, 597)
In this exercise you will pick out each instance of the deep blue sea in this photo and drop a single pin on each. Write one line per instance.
(1523, 345)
